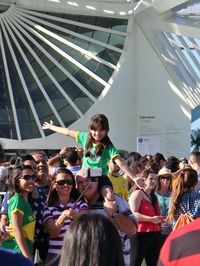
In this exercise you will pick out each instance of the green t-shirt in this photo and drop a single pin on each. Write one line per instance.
(18, 204)
(95, 161)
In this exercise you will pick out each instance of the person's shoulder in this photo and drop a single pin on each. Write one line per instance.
(16, 198)
(10, 258)
(137, 193)
(121, 203)
(81, 137)
(185, 232)
(82, 133)
(196, 194)
(182, 245)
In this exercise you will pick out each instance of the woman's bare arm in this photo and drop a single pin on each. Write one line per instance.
(17, 221)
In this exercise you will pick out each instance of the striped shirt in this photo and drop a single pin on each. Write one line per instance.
(53, 212)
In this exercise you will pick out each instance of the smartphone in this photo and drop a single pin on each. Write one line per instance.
(93, 172)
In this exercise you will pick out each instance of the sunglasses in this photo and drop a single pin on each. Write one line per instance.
(64, 182)
(29, 177)
(166, 177)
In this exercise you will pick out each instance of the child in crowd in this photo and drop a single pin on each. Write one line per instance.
(119, 183)
(98, 150)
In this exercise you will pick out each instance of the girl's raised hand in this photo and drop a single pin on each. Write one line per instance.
(47, 125)
(139, 181)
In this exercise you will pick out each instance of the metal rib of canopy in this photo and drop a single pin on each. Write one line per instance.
(54, 66)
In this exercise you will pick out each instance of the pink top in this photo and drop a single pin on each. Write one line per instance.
(146, 208)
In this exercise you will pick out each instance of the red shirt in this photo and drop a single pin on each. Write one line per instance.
(147, 208)
(182, 247)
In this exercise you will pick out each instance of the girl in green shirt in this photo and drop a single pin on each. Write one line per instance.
(98, 149)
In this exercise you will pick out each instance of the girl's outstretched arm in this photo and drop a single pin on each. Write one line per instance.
(123, 165)
(61, 130)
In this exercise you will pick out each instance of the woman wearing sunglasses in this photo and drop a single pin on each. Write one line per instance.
(163, 193)
(20, 215)
(62, 207)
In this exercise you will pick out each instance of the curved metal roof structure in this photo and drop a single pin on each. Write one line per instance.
(54, 66)
(58, 58)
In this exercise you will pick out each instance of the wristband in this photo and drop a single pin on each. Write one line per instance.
(60, 156)
(58, 225)
(114, 214)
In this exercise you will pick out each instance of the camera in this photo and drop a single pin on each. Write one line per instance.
(93, 172)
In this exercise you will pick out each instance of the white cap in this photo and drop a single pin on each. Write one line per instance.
(164, 171)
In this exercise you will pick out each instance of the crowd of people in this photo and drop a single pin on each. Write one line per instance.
(94, 205)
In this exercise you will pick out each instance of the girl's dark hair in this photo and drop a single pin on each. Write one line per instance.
(144, 174)
(89, 241)
(158, 157)
(52, 196)
(153, 166)
(132, 157)
(98, 121)
(14, 176)
(186, 180)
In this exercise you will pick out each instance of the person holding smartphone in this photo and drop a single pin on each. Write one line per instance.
(62, 207)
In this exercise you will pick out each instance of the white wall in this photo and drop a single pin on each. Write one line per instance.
(156, 98)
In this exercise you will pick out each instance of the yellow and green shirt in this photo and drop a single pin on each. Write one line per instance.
(120, 185)
(95, 161)
(18, 204)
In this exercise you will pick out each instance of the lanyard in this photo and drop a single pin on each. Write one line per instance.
(151, 202)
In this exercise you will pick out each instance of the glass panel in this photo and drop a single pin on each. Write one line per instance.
(111, 56)
(42, 107)
(26, 119)
(4, 8)
(78, 97)
(101, 36)
(27, 124)
(104, 22)
(117, 41)
(120, 24)
(93, 86)
(7, 125)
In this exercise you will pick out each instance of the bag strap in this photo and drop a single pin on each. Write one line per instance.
(183, 210)
(151, 202)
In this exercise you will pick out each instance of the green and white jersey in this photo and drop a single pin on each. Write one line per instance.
(18, 204)
(95, 161)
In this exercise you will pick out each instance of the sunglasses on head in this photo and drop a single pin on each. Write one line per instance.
(29, 177)
(64, 182)
(166, 177)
